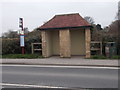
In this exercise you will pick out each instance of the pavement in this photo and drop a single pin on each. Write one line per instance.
(55, 60)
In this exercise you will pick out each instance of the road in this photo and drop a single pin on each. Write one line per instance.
(59, 76)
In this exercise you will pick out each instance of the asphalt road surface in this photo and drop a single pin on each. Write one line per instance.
(58, 77)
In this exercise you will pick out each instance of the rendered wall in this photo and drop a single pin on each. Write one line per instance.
(49, 43)
(55, 42)
(77, 41)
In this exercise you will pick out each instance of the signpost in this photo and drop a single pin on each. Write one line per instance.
(22, 44)
(22, 36)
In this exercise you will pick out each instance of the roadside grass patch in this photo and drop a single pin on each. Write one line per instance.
(0, 56)
(26, 56)
(98, 57)
(116, 57)
(104, 57)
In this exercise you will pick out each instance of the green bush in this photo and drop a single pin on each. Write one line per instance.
(28, 56)
(10, 46)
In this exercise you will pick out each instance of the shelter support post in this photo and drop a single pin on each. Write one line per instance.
(87, 42)
(44, 43)
(64, 36)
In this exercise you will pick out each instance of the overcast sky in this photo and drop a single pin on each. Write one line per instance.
(36, 13)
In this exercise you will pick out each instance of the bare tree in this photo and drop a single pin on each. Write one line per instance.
(117, 17)
(10, 34)
(26, 30)
(89, 19)
(119, 10)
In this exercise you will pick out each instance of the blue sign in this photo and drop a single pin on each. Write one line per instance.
(22, 43)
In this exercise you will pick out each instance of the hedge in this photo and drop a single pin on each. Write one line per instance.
(10, 46)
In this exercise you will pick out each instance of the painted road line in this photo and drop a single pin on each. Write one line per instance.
(30, 85)
(91, 67)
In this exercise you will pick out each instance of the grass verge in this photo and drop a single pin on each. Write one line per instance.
(98, 57)
(104, 57)
(25, 56)
(116, 57)
(0, 56)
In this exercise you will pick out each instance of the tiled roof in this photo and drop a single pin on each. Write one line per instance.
(65, 21)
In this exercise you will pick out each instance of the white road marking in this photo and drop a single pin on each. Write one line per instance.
(53, 66)
(29, 85)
